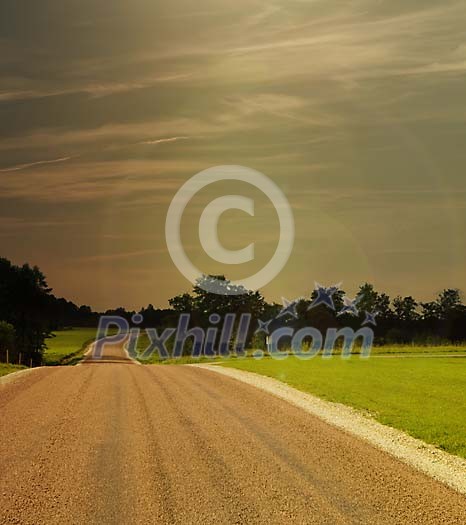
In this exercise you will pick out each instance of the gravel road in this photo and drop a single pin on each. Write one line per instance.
(111, 442)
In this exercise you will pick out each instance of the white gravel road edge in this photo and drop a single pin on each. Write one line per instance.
(428, 459)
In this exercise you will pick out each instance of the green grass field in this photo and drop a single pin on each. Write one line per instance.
(9, 369)
(423, 396)
(67, 344)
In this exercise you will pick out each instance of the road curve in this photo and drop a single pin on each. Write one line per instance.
(110, 442)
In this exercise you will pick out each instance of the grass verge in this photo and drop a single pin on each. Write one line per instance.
(68, 345)
(9, 369)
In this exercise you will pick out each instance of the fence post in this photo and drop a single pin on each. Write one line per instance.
(19, 359)
(30, 363)
(7, 357)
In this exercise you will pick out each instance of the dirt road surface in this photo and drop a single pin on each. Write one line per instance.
(111, 442)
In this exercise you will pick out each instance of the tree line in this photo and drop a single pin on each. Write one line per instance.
(30, 312)
(401, 320)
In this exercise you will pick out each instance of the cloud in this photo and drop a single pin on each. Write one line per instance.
(120, 255)
(354, 42)
(162, 141)
(232, 114)
(97, 181)
(21, 167)
(93, 89)
(124, 133)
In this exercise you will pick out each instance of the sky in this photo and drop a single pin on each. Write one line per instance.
(355, 109)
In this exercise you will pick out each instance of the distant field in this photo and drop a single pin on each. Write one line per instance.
(412, 349)
(389, 351)
(67, 344)
(423, 396)
(8, 369)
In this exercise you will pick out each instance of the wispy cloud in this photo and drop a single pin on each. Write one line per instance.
(162, 141)
(21, 167)
(97, 181)
(120, 255)
(93, 89)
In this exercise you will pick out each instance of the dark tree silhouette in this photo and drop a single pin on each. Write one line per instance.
(25, 302)
(405, 309)
(7, 339)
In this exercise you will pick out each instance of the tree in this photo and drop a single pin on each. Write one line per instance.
(155, 317)
(214, 294)
(25, 304)
(405, 309)
(183, 303)
(7, 338)
(449, 303)
(452, 314)
(430, 311)
(228, 298)
(373, 301)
